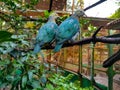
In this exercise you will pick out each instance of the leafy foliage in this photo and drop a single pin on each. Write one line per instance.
(18, 4)
(23, 72)
(91, 30)
(26, 73)
(62, 18)
(60, 82)
(116, 14)
(6, 36)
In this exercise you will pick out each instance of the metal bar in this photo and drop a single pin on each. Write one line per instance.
(92, 64)
(110, 69)
(80, 64)
(95, 4)
(80, 47)
(50, 6)
(80, 59)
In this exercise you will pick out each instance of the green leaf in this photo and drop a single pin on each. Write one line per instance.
(18, 72)
(30, 75)
(50, 87)
(3, 85)
(43, 79)
(16, 81)
(35, 84)
(4, 62)
(6, 36)
(9, 78)
(46, 13)
(25, 42)
(40, 88)
(24, 81)
(116, 14)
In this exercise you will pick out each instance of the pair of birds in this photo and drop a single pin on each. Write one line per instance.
(62, 33)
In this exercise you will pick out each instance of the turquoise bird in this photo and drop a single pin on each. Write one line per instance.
(46, 33)
(68, 29)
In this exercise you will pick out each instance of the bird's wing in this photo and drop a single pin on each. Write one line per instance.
(46, 32)
(68, 29)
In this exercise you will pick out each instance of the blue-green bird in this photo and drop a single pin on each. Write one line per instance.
(46, 33)
(68, 29)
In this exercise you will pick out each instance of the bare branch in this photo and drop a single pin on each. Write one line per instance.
(82, 42)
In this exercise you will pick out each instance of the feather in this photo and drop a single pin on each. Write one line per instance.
(37, 48)
(67, 29)
(57, 47)
(46, 33)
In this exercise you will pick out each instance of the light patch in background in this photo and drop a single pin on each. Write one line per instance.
(104, 9)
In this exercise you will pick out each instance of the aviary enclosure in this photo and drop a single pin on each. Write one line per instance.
(91, 62)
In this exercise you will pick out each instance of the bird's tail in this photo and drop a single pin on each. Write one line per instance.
(57, 47)
(37, 49)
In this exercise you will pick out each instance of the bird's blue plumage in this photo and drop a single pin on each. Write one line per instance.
(37, 47)
(46, 34)
(66, 30)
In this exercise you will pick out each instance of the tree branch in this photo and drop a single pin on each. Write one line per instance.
(82, 42)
